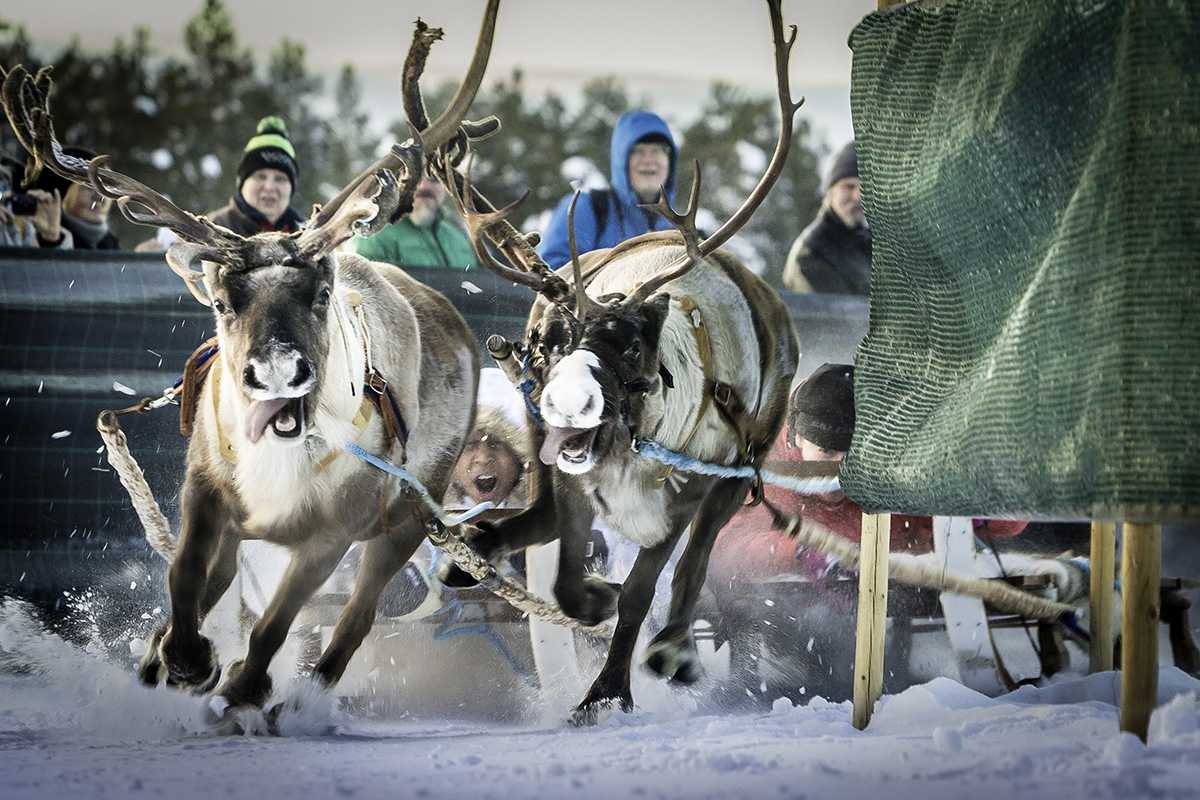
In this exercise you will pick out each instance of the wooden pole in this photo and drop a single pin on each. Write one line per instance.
(872, 615)
(1103, 561)
(1141, 565)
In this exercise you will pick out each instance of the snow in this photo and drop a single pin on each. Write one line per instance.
(75, 724)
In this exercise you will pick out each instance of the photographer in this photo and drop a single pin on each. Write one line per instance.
(29, 219)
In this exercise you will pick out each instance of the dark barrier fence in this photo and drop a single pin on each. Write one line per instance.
(75, 327)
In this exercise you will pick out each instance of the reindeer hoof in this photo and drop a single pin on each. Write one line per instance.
(224, 719)
(189, 665)
(673, 661)
(592, 710)
(591, 602)
(242, 689)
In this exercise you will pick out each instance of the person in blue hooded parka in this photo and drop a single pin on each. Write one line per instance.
(643, 156)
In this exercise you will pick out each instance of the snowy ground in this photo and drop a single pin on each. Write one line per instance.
(73, 724)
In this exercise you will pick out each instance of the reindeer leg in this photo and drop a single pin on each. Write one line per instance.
(587, 599)
(672, 653)
(189, 658)
(382, 559)
(612, 684)
(247, 682)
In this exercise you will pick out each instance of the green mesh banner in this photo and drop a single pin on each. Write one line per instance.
(1031, 175)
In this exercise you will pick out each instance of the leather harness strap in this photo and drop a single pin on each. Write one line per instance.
(194, 370)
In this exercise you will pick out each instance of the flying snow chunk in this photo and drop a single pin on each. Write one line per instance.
(60, 434)
(147, 106)
(470, 288)
(210, 166)
(122, 388)
(162, 159)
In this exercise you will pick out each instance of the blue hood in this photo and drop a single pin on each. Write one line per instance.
(632, 126)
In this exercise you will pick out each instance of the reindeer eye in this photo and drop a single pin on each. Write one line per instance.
(323, 296)
(220, 307)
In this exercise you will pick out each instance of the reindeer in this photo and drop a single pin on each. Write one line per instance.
(307, 336)
(663, 336)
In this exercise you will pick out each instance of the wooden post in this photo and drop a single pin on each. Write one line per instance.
(1103, 561)
(872, 615)
(1141, 565)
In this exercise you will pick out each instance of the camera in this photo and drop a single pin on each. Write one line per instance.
(23, 205)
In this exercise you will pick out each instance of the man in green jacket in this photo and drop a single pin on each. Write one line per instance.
(424, 238)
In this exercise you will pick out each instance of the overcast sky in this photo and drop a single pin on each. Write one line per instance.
(667, 51)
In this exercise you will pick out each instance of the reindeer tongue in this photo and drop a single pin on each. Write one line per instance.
(555, 439)
(261, 412)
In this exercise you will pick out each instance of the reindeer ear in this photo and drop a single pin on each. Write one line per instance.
(654, 314)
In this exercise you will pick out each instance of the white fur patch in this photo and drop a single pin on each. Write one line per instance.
(572, 397)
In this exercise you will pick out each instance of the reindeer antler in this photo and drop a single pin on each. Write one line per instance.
(787, 112)
(479, 222)
(583, 303)
(483, 218)
(444, 128)
(26, 101)
(686, 223)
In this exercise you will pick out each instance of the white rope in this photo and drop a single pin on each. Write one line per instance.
(154, 522)
(905, 569)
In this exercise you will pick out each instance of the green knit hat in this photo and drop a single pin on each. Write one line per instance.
(269, 148)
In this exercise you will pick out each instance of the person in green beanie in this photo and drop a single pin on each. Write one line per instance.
(423, 238)
(266, 180)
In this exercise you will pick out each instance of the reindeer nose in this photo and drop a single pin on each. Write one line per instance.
(251, 379)
(573, 398)
(278, 372)
(304, 372)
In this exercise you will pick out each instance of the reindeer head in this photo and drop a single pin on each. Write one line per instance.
(274, 295)
(598, 359)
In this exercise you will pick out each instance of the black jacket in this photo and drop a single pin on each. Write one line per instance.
(830, 257)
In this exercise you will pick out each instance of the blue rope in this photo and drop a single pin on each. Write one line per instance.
(525, 387)
(648, 448)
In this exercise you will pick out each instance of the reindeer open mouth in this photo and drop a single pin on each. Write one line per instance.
(570, 448)
(284, 415)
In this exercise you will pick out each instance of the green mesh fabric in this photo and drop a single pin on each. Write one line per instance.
(1031, 174)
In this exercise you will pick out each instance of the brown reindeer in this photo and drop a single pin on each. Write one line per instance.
(665, 337)
(317, 349)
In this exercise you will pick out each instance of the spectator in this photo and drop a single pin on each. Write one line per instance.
(67, 216)
(266, 181)
(643, 157)
(16, 229)
(833, 254)
(422, 238)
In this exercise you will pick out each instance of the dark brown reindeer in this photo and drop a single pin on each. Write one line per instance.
(301, 329)
(665, 337)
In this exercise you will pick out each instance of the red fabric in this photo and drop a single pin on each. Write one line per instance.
(749, 548)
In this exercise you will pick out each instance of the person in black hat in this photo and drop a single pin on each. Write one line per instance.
(266, 181)
(69, 215)
(833, 254)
